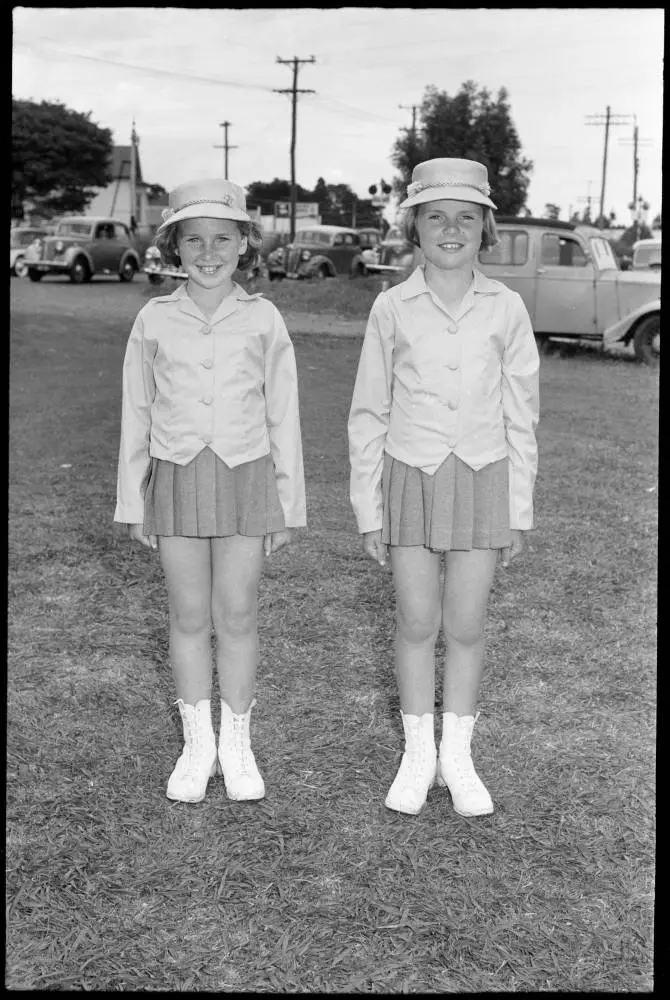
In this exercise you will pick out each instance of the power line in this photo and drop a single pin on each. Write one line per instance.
(295, 62)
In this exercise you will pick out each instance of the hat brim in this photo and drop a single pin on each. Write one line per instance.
(205, 210)
(452, 193)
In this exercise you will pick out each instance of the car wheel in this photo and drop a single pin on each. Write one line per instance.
(127, 272)
(647, 340)
(34, 275)
(79, 272)
(323, 272)
(156, 279)
(20, 267)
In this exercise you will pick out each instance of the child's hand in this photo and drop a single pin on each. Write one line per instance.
(136, 534)
(276, 540)
(373, 548)
(512, 550)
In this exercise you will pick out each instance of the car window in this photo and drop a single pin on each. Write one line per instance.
(646, 256)
(562, 251)
(511, 250)
(73, 229)
(104, 231)
(23, 238)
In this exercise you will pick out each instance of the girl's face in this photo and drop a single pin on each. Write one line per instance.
(209, 250)
(450, 233)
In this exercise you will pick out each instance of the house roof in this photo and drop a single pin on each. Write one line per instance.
(119, 164)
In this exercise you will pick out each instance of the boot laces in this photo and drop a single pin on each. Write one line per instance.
(241, 744)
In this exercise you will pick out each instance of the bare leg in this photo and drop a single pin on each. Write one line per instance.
(416, 576)
(237, 563)
(187, 566)
(468, 579)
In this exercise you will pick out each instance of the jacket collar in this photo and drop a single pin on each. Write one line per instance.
(416, 284)
(188, 306)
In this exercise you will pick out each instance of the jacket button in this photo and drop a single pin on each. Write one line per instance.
(206, 329)
(452, 404)
(207, 438)
(451, 442)
(453, 366)
(452, 329)
(207, 363)
(206, 400)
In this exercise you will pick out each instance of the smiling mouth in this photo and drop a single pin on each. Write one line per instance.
(209, 268)
(450, 246)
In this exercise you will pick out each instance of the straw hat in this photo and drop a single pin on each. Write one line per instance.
(211, 199)
(446, 177)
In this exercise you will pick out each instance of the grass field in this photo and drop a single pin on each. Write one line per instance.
(110, 886)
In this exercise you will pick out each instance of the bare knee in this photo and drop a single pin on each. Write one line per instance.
(417, 628)
(190, 619)
(235, 622)
(465, 633)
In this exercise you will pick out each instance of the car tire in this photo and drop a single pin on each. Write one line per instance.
(80, 272)
(20, 268)
(323, 272)
(646, 340)
(127, 272)
(156, 279)
(34, 275)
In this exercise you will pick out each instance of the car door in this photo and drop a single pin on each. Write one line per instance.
(565, 298)
(512, 261)
(345, 245)
(105, 247)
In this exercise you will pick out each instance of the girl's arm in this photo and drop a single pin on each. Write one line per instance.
(521, 410)
(283, 420)
(139, 389)
(369, 417)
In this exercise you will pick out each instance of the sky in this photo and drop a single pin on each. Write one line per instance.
(181, 72)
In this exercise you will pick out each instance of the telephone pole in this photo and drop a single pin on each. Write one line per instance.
(637, 143)
(608, 119)
(587, 200)
(225, 147)
(295, 62)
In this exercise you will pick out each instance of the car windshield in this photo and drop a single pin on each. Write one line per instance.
(603, 253)
(73, 229)
(314, 237)
(22, 238)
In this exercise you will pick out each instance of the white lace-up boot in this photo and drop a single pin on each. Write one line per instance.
(416, 774)
(197, 764)
(242, 777)
(456, 770)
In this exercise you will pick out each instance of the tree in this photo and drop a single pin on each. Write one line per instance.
(551, 211)
(474, 126)
(656, 224)
(155, 191)
(59, 157)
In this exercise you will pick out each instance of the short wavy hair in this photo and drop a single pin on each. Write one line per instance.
(166, 243)
(489, 232)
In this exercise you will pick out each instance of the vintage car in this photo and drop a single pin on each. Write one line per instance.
(19, 239)
(83, 246)
(393, 255)
(646, 253)
(571, 284)
(370, 241)
(320, 251)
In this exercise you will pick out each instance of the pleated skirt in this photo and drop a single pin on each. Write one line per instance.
(208, 499)
(457, 508)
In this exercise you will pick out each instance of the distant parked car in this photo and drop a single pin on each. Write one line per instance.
(317, 252)
(19, 240)
(646, 253)
(370, 240)
(82, 247)
(393, 255)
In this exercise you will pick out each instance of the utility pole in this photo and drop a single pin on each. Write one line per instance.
(295, 62)
(637, 143)
(225, 147)
(608, 119)
(587, 200)
(412, 108)
(134, 140)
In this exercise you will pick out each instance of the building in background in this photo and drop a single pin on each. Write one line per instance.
(125, 197)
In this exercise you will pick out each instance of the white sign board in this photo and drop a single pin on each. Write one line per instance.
(303, 209)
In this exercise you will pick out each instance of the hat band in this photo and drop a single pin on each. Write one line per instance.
(418, 186)
(227, 200)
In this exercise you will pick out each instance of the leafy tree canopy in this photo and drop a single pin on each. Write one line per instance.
(471, 125)
(59, 157)
(338, 204)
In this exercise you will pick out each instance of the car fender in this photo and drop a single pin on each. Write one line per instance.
(315, 263)
(75, 251)
(134, 256)
(623, 329)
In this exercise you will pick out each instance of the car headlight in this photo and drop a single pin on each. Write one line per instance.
(305, 255)
(152, 253)
(59, 247)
